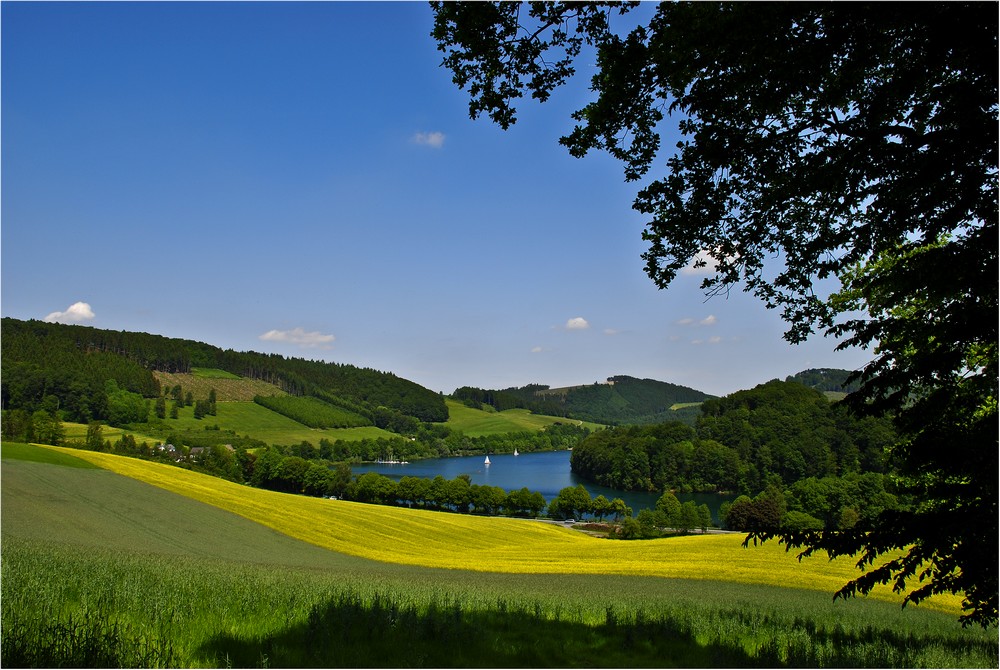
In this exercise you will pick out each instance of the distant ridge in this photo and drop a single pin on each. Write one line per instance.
(832, 380)
(618, 400)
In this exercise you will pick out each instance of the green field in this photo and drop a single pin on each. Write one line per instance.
(245, 419)
(475, 422)
(100, 569)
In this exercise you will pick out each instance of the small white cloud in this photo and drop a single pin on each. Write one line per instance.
(699, 258)
(715, 339)
(577, 323)
(75, 313)
(611, 331)
(537, 350)
(434, 139)
(704, 264)
(709, 320)
(299, 337)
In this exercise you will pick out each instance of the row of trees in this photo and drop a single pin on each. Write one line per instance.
(439, 441)
(456, 495)
(853, 502)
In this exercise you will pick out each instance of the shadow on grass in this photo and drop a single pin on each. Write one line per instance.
(349, 632)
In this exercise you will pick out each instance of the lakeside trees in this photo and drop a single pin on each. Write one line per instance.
(776, 432)
(851, 142)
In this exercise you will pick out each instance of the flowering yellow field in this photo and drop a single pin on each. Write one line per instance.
(442, 540)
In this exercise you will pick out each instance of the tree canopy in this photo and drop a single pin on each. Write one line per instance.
(850, 143)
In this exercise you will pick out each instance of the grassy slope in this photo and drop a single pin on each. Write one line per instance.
(219, 590)
(245, 418)
(430, 539)
(474, 422)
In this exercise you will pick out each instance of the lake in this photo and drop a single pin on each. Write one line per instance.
(546, 472)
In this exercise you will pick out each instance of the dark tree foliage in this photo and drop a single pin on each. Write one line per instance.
(846, 141)
(825, 379)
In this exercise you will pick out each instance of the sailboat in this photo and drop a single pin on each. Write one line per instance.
(515, 452)
(487, 462)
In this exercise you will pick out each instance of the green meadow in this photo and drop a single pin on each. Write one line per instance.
(244, 418)
(103, 570)
(476, 422)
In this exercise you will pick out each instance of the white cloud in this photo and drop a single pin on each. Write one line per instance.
(709, 320)
(78, 311)
(611, 331)
(577, 323)
(299, 337)
(537, 350)
(700, 257)
(710, 264)
(434, 139)
(715, 339)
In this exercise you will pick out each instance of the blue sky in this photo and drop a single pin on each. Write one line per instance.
(303, 179)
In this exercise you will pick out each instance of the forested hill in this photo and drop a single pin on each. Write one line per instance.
(741, 442)
(71, 365)
(620, 400)
(825, 379)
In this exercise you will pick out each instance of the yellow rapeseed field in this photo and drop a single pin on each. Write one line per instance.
(443, 540)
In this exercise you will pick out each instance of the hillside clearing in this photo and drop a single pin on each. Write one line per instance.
(227, 387)
(477, 422)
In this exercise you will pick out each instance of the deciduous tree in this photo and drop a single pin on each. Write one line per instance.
(848, 142)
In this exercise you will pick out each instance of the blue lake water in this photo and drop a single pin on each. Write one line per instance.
(546, 472)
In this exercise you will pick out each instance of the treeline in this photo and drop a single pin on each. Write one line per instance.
(623, 400)
(777, 432)
(437, 441)
(73, 363)
(827, 503)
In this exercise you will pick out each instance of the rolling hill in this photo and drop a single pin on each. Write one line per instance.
(619, 400)
(136, 564)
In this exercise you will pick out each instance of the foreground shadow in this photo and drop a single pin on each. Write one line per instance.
(348, 631)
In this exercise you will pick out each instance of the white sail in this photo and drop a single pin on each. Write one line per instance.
(487, 462)
(515, 453)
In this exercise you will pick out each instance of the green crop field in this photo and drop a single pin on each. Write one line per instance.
(244, 418)
(475, 422)
(100, 569)
(78, 431)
